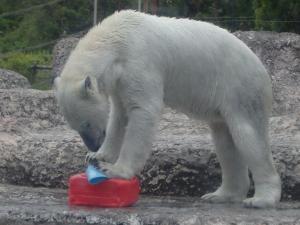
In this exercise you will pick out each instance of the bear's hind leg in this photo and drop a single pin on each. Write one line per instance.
(235, 178)
(251, 138)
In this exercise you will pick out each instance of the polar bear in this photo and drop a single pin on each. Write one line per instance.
(134, 63)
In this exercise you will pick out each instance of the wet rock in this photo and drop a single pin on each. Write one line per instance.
(10, 79)
(30, 206)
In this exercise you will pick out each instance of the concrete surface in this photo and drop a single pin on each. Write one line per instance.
(31, 206)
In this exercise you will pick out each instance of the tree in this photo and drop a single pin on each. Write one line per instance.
(43, 24)
(280, 15)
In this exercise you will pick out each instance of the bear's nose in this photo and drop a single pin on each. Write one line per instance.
(92, 140)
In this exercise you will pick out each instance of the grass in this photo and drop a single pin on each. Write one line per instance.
(22, 62)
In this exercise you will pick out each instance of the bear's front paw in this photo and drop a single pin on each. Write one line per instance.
(91, 157)
(115, 170)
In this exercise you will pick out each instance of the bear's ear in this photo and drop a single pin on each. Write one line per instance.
(56, 83)
(87, 86)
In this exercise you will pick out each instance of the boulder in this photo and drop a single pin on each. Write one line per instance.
(10, 79)
(36, 146)
(61, 52)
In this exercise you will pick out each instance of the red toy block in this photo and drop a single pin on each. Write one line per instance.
(109, 193)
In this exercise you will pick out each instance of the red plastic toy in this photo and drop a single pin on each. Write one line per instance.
(109, 193)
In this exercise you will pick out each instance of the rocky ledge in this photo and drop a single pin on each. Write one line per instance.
(30, 206)
(38, 149)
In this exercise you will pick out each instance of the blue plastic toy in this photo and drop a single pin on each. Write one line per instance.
(94, 176)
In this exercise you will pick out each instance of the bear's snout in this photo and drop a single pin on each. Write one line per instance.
(93, 140)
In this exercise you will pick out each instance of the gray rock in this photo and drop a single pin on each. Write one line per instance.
(35, 143)
(10, 79)
(30, 206)
(61, 53)
(31, 109)
(280, 53)
(39, 149)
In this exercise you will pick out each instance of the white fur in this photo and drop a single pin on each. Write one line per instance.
(142, 62)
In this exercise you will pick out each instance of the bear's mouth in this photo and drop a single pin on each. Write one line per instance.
(93, 140)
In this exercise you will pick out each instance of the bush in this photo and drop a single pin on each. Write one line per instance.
(280, 16)
(22, 62)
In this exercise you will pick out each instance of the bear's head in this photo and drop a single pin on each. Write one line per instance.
(84, 108)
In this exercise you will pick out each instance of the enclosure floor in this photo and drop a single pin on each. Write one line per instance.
(26, 206)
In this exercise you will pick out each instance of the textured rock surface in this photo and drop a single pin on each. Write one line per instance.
(11, 79)
(30, 206)
(61, 53)
(39, 149)
(280, 53)
(36, 146)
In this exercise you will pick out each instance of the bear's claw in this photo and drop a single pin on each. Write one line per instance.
(115, 170)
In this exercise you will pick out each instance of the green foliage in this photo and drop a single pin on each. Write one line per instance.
(270, 15)
(66, 17)
(42, 81)
(43, 25)
(172, 8)
(233, 14)
(22, 63)
(275, 15)
(38, 26)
